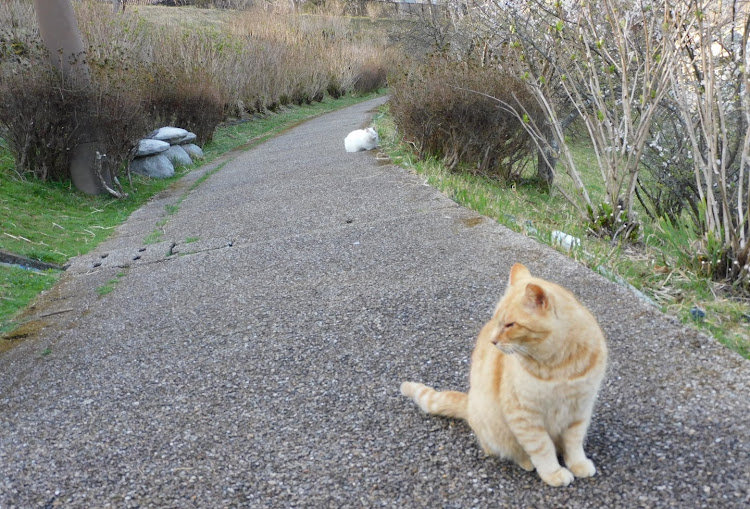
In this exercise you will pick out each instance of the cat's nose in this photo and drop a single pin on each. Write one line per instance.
(497, 329)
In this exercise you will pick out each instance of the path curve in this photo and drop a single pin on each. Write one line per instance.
(252, 357)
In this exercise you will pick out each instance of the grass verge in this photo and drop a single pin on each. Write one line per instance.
(18, 287)
(649, 268)
(51, 222)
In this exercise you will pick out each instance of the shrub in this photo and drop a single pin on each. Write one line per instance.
(335, 89)
(371, 77)
(186, 99)
(40, 120)
(666, 185)
(117, 90)
(45, 117)
(453, 111)
(36, 112)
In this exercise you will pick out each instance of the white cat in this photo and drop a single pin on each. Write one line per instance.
(361, 139)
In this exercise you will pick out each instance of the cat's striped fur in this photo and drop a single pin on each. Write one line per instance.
(535, 373)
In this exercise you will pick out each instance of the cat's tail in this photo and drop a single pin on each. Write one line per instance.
(445, 403)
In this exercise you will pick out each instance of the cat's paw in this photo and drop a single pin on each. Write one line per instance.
(583, 468)
(560, 477)
(526, 464)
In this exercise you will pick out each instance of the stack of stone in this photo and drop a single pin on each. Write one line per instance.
(162, 150)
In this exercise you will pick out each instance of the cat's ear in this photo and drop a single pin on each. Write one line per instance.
(536, 299)
(518, 272)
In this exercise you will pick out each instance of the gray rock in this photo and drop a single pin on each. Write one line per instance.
(149, 147)
(158, 166)
(189, 138)
(194, 151)
(172, 135)
(178, 156)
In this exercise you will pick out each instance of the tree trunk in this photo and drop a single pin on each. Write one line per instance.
(59, 30)
(547, 159)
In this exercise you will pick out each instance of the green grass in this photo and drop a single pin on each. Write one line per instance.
(109, 286)
(52, 222)
(653, 267)
(18, 287)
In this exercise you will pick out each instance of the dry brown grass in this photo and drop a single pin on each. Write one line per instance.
(182, 16)
(265, 58)
(322, 50)
(445, 109)
(190, 66)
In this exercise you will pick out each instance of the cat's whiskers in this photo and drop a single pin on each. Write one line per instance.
(506, 348)
(515, 348)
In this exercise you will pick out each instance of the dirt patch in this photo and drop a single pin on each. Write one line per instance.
(49, 309)
(20, 333)
(471, 222)
(45, 302)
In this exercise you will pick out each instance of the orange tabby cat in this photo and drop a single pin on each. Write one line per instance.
(535, 373)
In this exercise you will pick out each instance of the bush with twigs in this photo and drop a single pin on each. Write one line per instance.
(43, 114)
(451, 110)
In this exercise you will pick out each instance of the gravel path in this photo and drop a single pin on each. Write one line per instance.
(253, 357)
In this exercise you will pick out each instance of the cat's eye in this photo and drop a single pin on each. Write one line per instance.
(509, 325)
